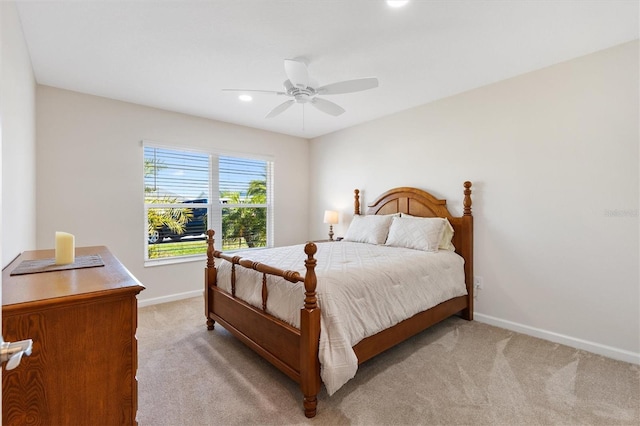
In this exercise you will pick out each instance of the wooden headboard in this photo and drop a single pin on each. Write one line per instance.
(416, 202)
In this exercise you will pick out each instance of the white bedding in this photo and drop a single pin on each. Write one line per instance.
(362, 289)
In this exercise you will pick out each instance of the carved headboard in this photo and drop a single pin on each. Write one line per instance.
(416, 202)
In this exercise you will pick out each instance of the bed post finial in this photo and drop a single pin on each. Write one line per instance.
(467, 198)
(310, 280)
(356, 202)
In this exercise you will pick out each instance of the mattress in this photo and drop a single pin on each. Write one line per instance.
(362, 289)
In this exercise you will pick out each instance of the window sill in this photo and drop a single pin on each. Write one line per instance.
(173, 260)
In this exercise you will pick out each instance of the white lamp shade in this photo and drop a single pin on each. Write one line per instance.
(331, 217)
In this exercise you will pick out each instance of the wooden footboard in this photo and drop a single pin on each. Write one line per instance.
(295, 352)
(292, 351)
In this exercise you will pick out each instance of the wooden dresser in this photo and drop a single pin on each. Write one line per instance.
(83, 323)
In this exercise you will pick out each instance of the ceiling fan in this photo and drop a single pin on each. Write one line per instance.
(298, 87)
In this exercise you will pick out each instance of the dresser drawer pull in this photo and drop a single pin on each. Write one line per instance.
(11, 352)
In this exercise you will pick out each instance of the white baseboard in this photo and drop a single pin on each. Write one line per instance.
(596, 348)
(170, 298)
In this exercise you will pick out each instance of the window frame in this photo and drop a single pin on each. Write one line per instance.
(214, 210)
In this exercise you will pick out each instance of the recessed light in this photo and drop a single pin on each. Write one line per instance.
(397, 3)
(245, 98)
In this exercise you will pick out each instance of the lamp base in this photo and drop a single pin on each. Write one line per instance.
(330, 232)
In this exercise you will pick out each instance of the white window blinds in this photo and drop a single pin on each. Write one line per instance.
(188, 192)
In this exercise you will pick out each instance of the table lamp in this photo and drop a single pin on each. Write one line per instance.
(330, 217)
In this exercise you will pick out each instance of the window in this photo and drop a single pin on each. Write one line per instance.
(180, 204)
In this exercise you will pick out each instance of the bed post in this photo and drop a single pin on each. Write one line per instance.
(356, 202)
(467, 313)
(210, 273)
(310, 336)
(467, 198)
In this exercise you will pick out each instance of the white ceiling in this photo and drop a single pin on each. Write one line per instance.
(178, 55)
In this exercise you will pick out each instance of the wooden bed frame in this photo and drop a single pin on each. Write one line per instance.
(295, 351)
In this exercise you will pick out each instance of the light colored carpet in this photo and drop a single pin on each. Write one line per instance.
(457, 372)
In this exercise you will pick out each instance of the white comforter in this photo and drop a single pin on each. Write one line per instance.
(362, 289)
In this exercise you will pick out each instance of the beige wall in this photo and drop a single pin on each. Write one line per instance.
(553, 156)
(90, 177)
(18, 138)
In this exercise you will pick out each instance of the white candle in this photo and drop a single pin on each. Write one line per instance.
(65, 248)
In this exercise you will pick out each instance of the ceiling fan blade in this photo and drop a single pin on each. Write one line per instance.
(348, 86)
(327, 106)
(280, 108)
(297, 73)
(270, 92)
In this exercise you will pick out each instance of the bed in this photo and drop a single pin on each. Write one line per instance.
(248, 296)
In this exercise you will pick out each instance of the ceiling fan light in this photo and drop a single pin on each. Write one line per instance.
(397, 3)
(245, 98)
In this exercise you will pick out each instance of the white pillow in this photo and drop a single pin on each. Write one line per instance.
(447, 235)
(416, 233)
(369, 229)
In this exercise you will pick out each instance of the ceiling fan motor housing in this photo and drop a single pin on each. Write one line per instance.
(301, 95)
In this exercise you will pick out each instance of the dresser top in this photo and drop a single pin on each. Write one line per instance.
(45, 287)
